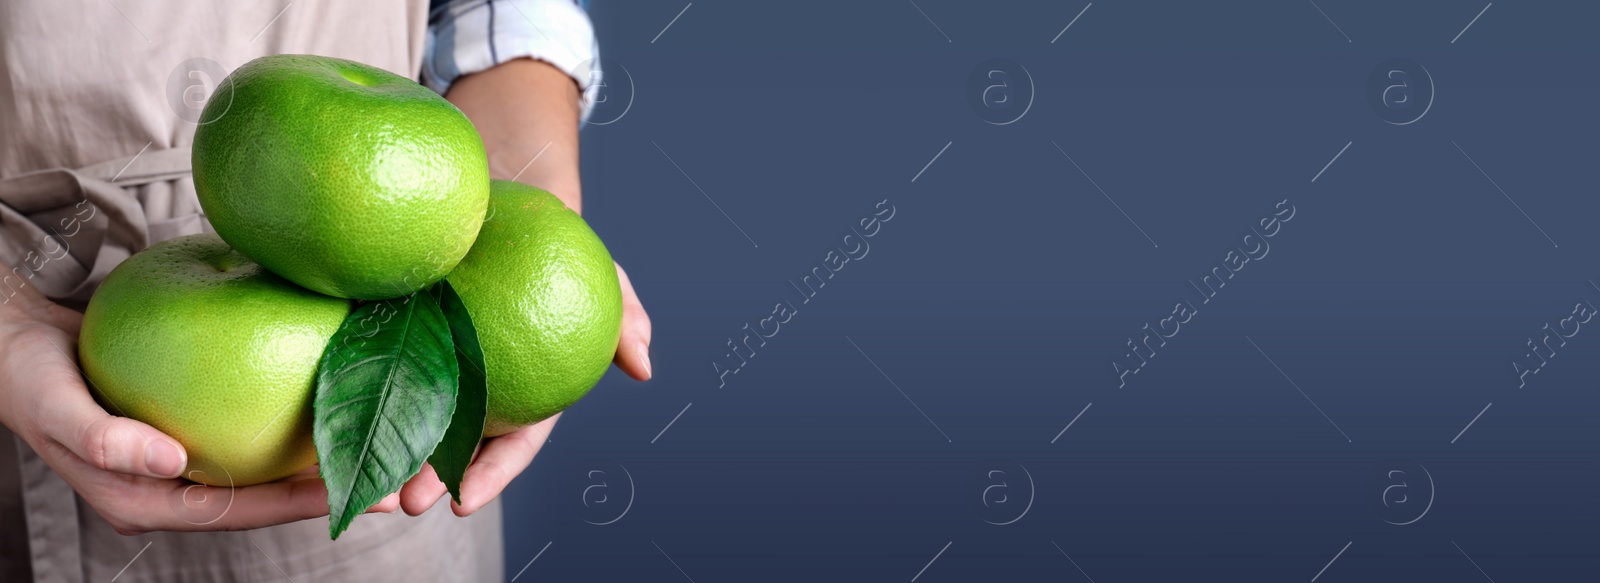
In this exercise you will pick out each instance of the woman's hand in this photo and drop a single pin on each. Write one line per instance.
(127, 470)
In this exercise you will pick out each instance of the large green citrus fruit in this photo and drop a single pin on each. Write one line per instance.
(543, 295)
(341, 177)
(193, 338)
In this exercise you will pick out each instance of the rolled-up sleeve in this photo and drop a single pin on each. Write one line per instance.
(469, 36)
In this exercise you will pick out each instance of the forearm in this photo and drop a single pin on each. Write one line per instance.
(527, 112)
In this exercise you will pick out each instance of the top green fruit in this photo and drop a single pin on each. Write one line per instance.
(341, 177)
(544, 297)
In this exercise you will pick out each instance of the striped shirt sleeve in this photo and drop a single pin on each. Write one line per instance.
(469, 36)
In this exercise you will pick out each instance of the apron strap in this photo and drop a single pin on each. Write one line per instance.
(62, 231)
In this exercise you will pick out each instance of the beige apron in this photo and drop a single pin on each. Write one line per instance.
(94, 167)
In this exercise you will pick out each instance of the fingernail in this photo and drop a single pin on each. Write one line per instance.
(162, 459)
(644, 357)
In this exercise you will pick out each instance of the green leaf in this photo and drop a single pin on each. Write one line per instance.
(386, 391)
(451, 458)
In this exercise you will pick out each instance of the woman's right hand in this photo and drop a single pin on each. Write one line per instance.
(127, 470)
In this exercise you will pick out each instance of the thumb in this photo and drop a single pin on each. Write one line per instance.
(633, 347)
(115, 444)
(122, 445)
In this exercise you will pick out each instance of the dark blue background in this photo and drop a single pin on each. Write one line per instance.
(1395, 299)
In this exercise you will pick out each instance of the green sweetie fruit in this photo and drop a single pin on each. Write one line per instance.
(200, 342)
(341, 177)
(543, 294)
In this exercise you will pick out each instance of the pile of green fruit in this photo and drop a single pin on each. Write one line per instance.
(371, 300)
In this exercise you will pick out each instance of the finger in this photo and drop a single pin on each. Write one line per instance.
(182, 506)
(421, 491)
(499, 461)
(70, 417)
(197, 507)
(272, 504)
(633, 347)
(388, 504)
(136, 504)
